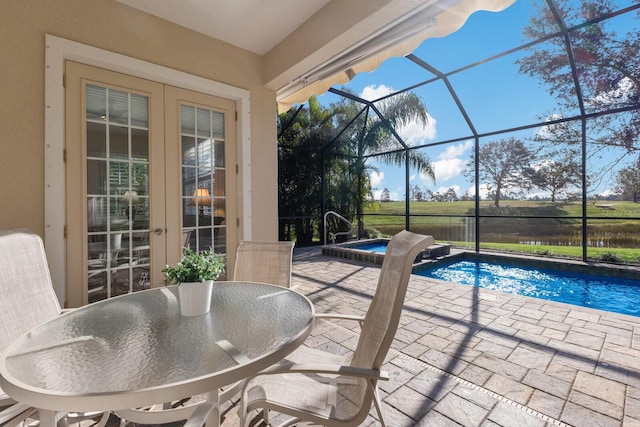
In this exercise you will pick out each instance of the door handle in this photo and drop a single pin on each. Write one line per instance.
(158, 231)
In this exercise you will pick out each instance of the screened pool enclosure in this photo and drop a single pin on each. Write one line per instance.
(518, 132)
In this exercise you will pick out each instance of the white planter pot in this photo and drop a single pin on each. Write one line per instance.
(195, 297)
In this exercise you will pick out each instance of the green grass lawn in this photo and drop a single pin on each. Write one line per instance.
(511, 207)
(629, 255)
(613, 239)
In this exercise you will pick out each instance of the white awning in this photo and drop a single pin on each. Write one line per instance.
(437, 18)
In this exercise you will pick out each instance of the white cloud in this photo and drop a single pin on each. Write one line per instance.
(484, 191)
(415, 134)
(547, 131)
(448, 168)
(371, 93)
(620, 93)
(376, 178)
(606, 192)
(541, 164)
(377, 194)
(412, 177)
(453, 151)
(539, 194)
(449, 164)
(443, 190)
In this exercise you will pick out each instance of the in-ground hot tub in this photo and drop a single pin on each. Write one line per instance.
(372, 250)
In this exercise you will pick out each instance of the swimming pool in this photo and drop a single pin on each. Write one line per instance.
(618, 295)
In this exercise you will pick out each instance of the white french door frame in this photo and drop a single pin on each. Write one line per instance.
(57, 51)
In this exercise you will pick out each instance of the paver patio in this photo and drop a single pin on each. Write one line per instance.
(466, 356)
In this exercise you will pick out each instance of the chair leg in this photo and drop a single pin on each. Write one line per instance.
(242, 407)
(376, 402)
(104, 419)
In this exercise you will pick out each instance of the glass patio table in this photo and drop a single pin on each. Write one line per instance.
(136, 350)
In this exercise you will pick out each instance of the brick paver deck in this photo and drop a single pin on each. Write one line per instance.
(466, 356)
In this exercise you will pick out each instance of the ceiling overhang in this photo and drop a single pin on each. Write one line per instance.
(307, 46)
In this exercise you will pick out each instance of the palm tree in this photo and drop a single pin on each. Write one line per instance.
(336, 143)
(372, 129)
(301, 135)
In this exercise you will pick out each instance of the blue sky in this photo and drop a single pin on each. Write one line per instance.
(494, 95)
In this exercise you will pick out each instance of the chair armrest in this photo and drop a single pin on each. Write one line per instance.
(151, 416)
(333, 369)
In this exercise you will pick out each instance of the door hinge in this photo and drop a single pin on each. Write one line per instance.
(237, 222)
(64, 79)
(237, 169)
(64, 155)
(236, 116)
(65, 232)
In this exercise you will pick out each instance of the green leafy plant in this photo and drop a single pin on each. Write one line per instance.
(543, 252)
(609, 257)
(195, 267)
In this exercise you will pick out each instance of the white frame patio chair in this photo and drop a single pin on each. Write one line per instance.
(27, 300)
(265, 262)
(321, 388)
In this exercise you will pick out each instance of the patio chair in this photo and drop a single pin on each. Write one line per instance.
(28, 299)
(332, 390)
(266, 262)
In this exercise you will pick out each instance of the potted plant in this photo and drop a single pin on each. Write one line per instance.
(194, 274)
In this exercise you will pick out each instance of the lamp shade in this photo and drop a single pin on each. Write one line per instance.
(131, 195)
(201, 197)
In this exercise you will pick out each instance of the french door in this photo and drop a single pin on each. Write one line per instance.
(146, 175)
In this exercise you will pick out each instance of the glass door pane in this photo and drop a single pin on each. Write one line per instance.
(201, 170)
(117, 139)
(115, 184)
(202, 136)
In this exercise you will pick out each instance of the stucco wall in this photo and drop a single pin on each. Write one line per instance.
(109, 25)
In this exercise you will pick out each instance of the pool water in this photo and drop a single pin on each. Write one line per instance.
(374, 247)
(600, 292)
